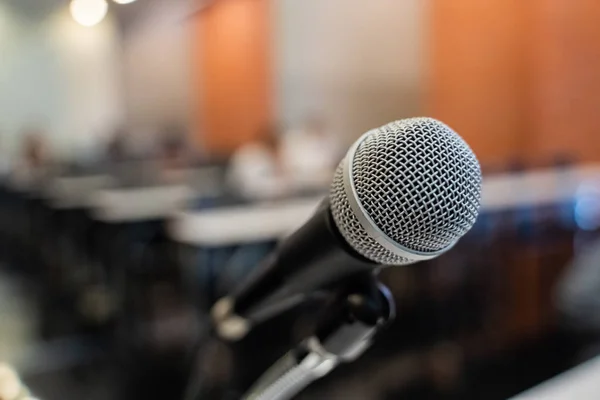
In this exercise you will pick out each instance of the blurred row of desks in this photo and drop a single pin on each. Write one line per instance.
(261, 221)
(248, 222)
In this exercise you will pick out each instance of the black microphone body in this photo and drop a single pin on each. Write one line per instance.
(313, 257)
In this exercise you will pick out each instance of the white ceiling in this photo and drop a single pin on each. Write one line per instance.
(126, 14)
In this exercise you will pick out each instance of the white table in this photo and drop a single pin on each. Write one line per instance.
(159, 201)
(538, 187)
(579, 383)
(70, 192)
(242, 224)
(271, 221)
(135, 204)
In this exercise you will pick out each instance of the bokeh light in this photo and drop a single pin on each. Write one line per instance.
(88, 12)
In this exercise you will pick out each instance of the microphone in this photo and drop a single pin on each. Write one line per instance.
(404, 192)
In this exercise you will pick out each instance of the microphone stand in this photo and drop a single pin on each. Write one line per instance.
(357, 313)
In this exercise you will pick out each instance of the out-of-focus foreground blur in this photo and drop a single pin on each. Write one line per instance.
(153, 152)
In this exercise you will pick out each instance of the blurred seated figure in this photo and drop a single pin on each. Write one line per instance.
(174, 157)
(255, 169)
(34, 162)
(4, 164)
(310, 155)
(116, 149)
(116, 156)
(128, 161)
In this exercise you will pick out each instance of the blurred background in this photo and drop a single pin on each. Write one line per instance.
(152, 152)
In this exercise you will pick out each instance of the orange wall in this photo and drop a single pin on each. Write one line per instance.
(475, 81)
(518, 79)
(565, 108)
(232, 59)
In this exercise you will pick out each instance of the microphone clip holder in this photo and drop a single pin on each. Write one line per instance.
(342, 336)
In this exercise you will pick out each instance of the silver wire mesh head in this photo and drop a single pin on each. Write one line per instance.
(406, 191)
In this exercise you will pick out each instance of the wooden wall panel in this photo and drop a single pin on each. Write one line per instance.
(565, 78)
(232, 58)
(518, 79)
(476, 73)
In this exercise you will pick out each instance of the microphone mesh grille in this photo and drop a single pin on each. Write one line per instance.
(352, 230)
(419, 183)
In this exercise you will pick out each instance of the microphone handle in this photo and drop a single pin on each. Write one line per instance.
(312, 258)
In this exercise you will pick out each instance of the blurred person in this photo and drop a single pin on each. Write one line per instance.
(118, 158)
(174, 156)
(116, 148)
(129, 160)
(255, 170)
(34, 161)
(310, 155)
(34, 150)
(4, 164)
